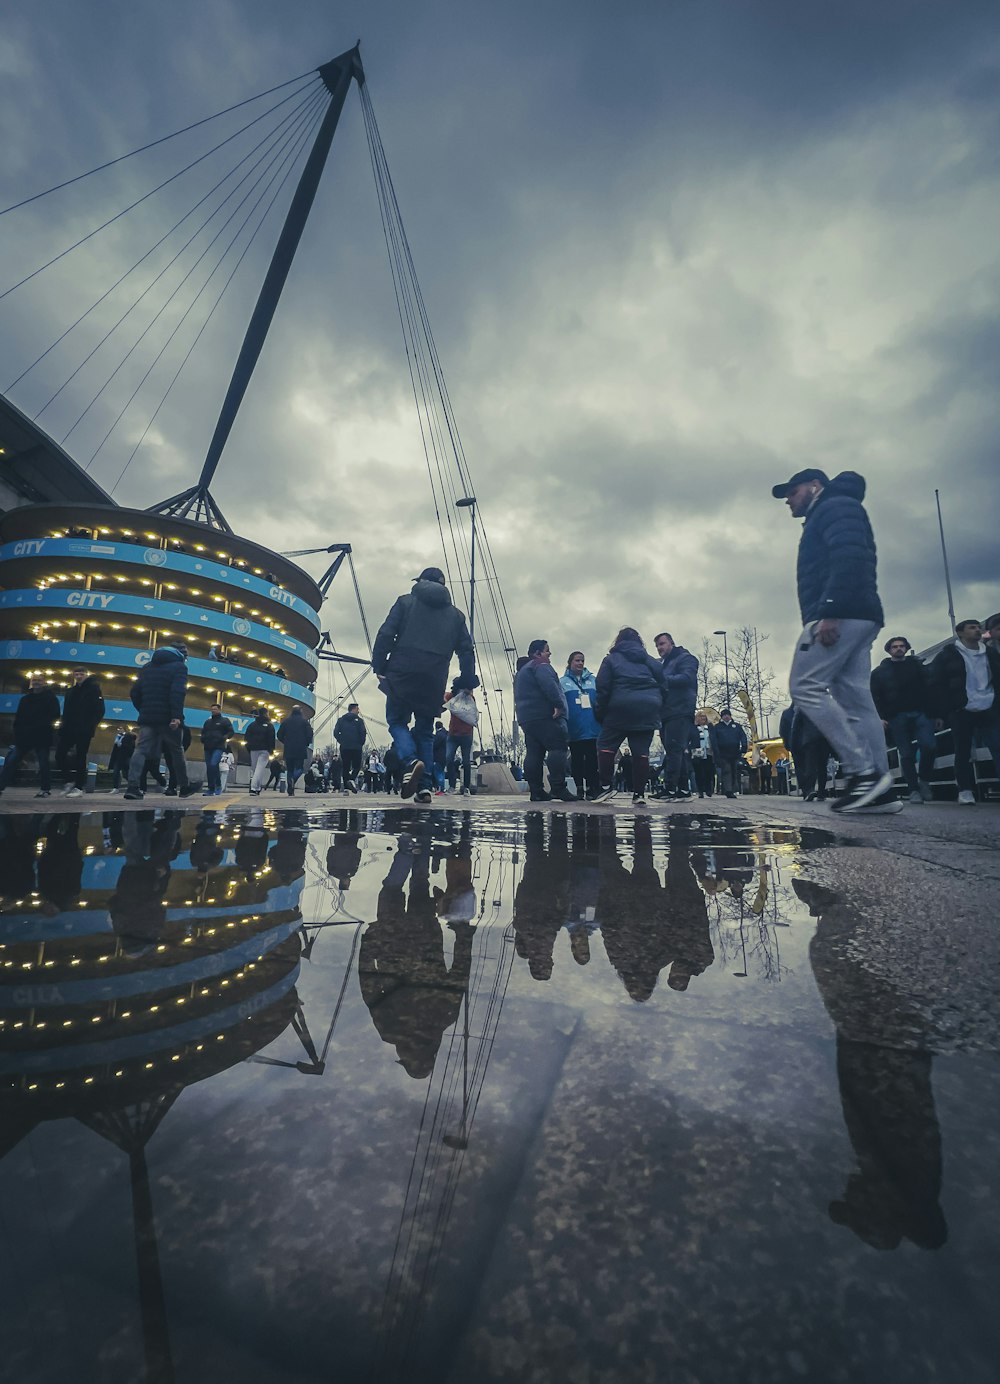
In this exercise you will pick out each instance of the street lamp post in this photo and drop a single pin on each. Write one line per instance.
(725, 655)
(469, 502)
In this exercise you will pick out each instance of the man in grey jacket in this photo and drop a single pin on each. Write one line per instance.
(411, 658)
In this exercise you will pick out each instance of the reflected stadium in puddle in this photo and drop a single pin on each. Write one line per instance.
(431, 1094)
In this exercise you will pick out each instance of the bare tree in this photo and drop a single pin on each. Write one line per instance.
(747, 672)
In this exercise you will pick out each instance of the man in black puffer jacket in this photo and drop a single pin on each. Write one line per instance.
(259, 739)
(296, 735)
(841, 615)
(83, 711)
(36, 715)
(901, 688)
(680, 694)
(158, 695)
(411, 658)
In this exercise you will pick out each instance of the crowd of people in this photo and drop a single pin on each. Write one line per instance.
(599, 728)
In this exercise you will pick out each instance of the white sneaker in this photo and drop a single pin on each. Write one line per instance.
(915, 797)
(73, 792)
(967, 797)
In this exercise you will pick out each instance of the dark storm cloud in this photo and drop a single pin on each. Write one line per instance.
(670, 254)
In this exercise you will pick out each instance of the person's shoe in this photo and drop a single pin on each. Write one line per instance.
(291, 792)
(564, 796)
(189, 791)
(422, 796)
(73, 792)
(207, 792)
(604, 796)
(352, 786)
(43, 794)
(684, 792)
(916, 797)
(170, 793)
(925, 790)
(638, 800)
(439, 792)
(466, 792)
(66, 790)
(133, 794)
(885, 803)
(541, 796)
(810, 797)
(967, 797)
(411, 778)
(861, 790)
(730, 795)
(701, 795)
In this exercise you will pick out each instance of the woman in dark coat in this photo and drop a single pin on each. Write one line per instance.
(629, 707)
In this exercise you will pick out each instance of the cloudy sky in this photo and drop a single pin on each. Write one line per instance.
(670, 254)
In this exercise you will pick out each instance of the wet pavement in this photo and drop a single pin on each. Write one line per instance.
(384, 1094)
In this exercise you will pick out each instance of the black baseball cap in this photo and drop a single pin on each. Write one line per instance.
(431, 574)
(810, 474)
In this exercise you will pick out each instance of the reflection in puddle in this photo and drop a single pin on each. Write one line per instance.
(425, 966)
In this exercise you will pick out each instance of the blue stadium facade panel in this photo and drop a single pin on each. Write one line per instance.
(102, 588)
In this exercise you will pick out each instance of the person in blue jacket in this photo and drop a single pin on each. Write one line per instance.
(580, 686)
(830, 679)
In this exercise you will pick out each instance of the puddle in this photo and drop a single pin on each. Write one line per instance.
(384, 1094)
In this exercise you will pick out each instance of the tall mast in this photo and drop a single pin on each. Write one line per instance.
(197, 502)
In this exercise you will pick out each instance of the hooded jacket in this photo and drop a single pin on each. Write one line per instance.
(580, 719)
(538, 693)
(630, 689)
(680, 682)
(159, 691)
(83, 708)
(899, 687)
(296, 734)
(259, 734)
(414, 647)
(836, 569)
(350, 732)
(37, 712)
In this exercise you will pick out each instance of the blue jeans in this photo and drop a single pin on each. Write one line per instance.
(906, 727)
(294, 769)
(16, 753)
(456, 743)
(213, 779)
(415, 744)
(981, 726)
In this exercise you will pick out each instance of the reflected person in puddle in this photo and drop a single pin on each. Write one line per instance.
(412, 995)
(885, 1089)
(541, 899)
(151, 844)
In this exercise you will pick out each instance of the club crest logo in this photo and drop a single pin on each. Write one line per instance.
(241, 627)
(154, 557)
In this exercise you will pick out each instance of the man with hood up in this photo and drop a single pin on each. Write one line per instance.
(411, 659)
(158, 695)
(830, 680)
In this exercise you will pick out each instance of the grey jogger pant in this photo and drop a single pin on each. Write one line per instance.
(832, 686)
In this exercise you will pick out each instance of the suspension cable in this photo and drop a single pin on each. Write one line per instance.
(289, 161)
(290, 117)
(145, 197)
(25, 201)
